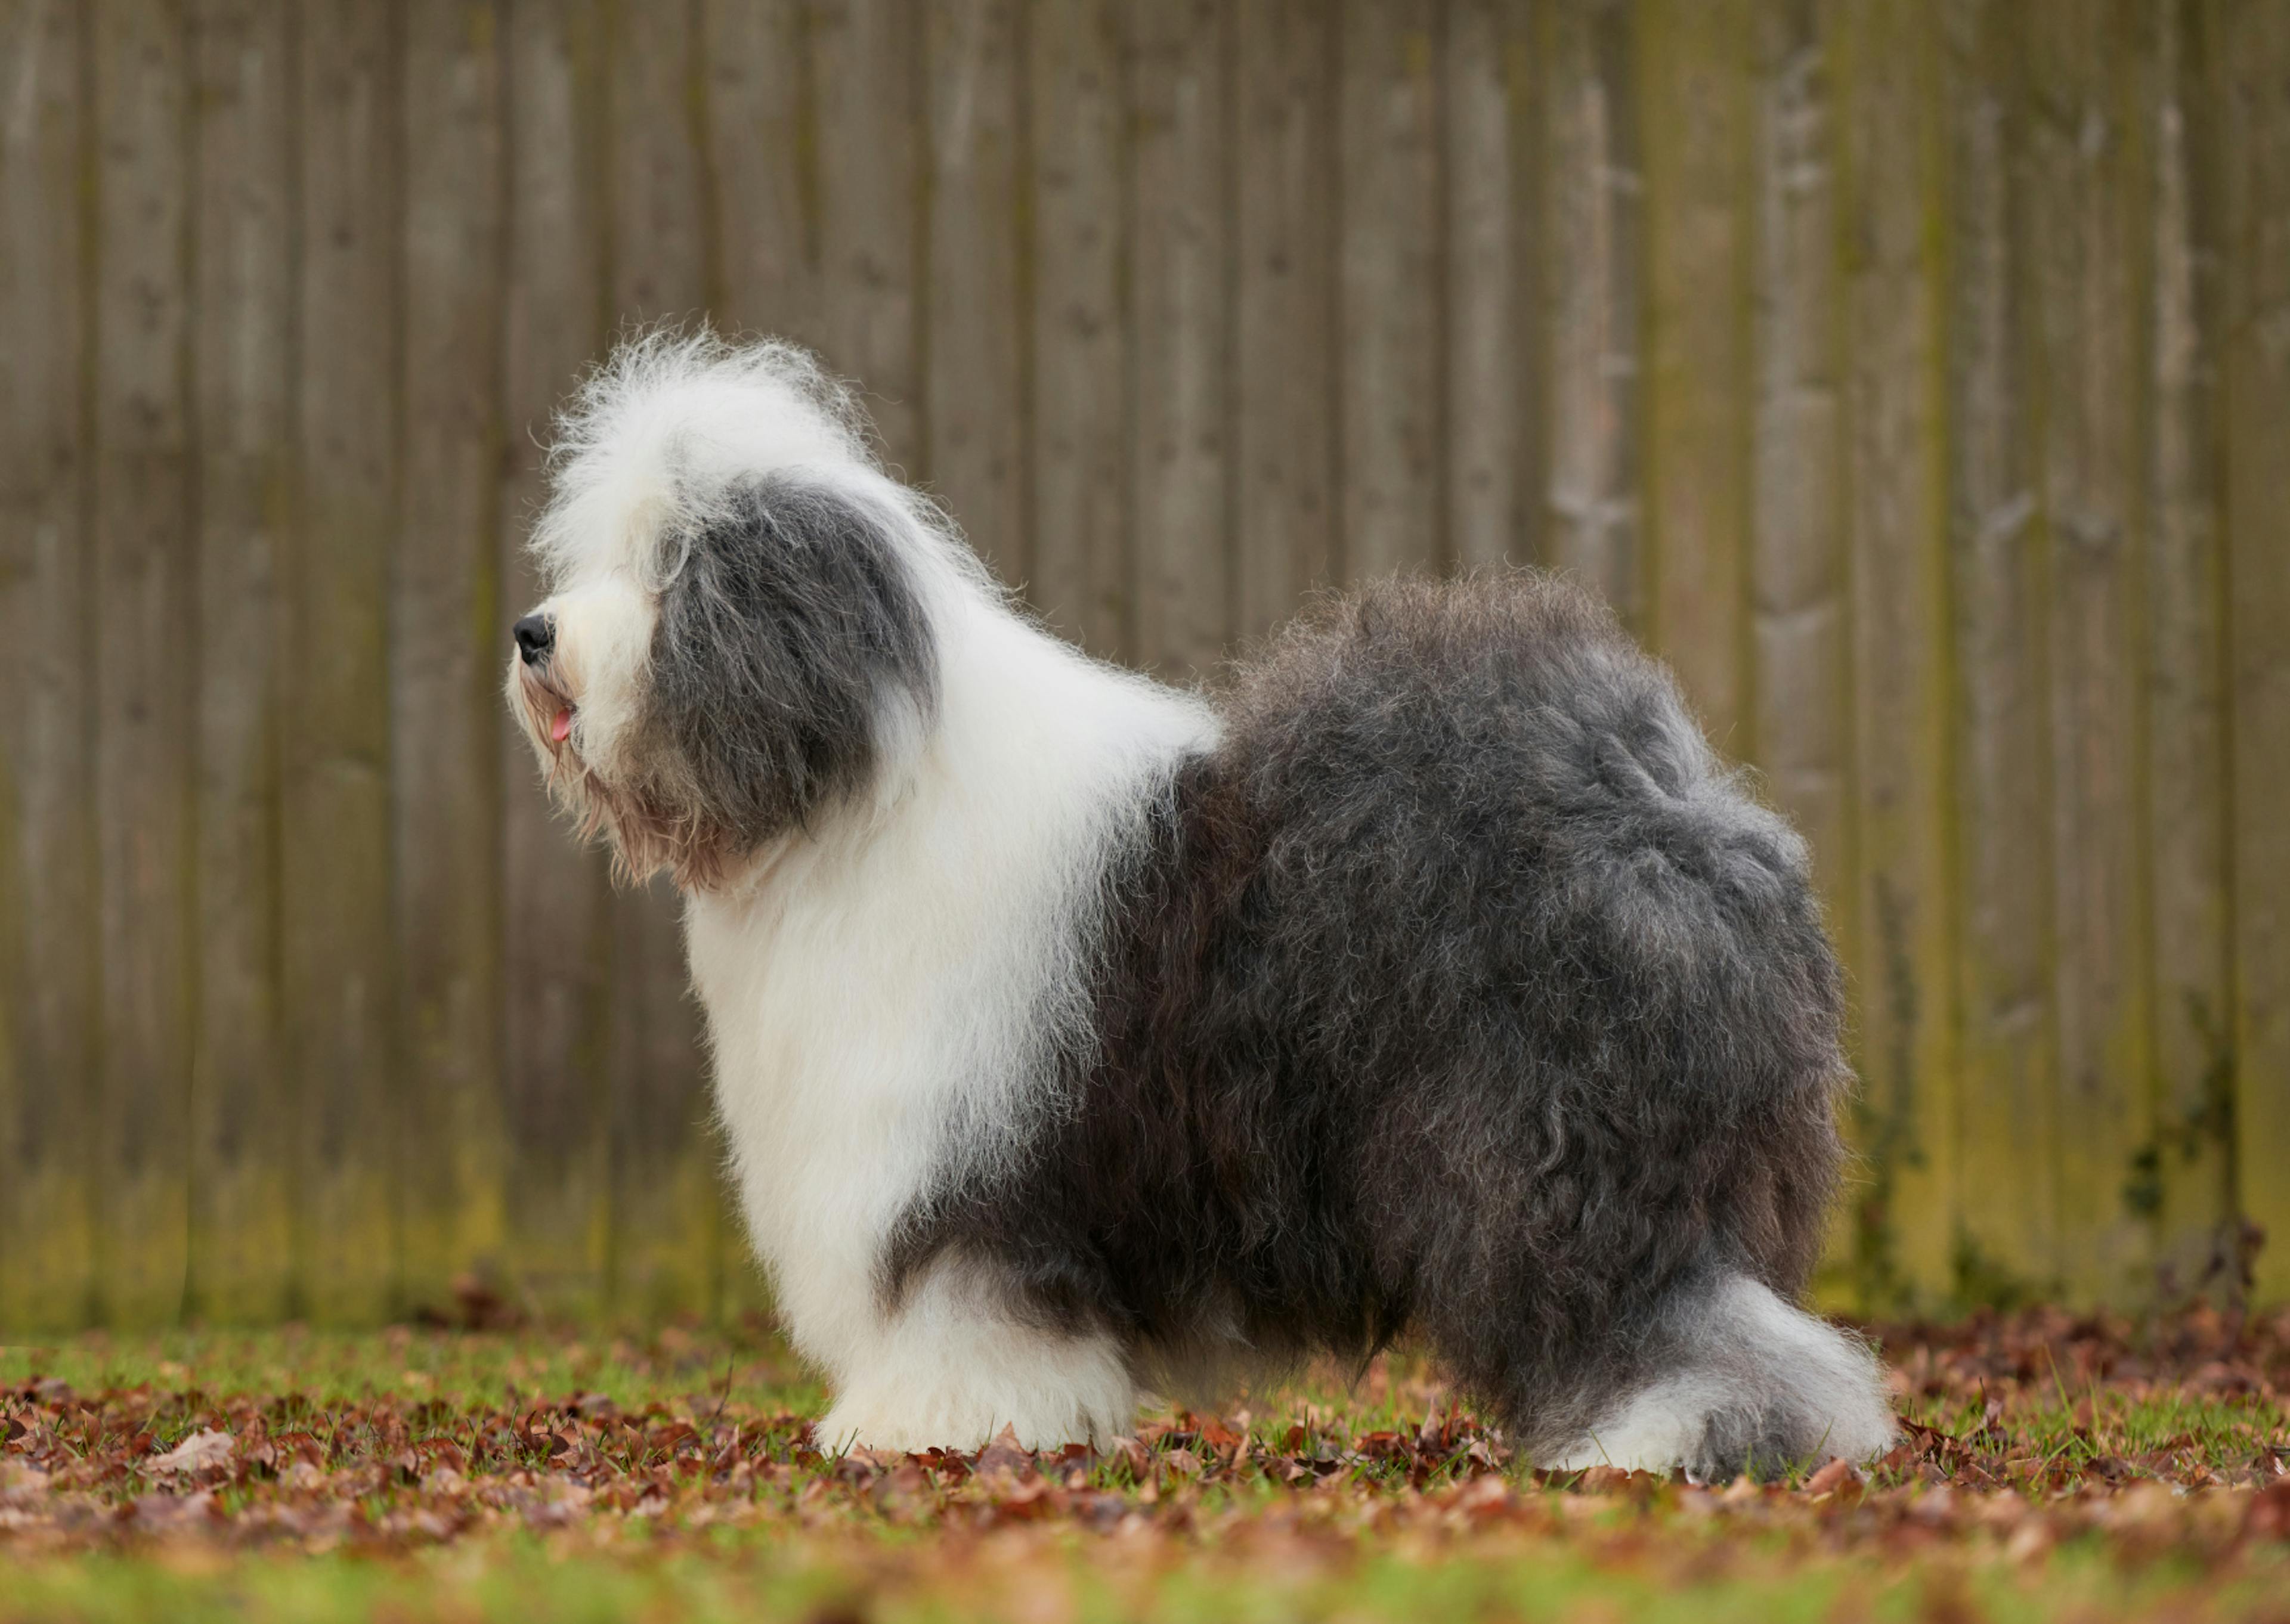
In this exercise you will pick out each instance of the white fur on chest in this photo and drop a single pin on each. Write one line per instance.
(889, 993)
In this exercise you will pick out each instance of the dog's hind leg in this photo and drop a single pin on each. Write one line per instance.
(1739, 1381)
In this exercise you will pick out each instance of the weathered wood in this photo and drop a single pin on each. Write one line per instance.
(1488, 307)
(667, 1220)
(762, 168)
(241, 363)
(2185, 777)
(337, 945)
(1695, 111)
(1963, 520)
(446, 641)
(866, 66)
(1590, 242)
(143, 718)
(974, 428)
(1077, 120)
(1799, 724)
(1182, 315)
(1389, 394)
(1893, 453)
(557, 948)
(2253, 99)
(49, 953)
(2008, 1241)
(1283, 430)
(2084, 153)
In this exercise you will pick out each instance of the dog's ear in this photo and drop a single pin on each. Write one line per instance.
(790, 632)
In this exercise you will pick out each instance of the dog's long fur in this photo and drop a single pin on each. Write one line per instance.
(1073, 1033)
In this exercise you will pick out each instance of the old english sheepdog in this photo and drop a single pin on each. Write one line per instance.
(1078, 1037)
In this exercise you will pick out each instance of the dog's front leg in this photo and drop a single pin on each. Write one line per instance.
(950, 1369)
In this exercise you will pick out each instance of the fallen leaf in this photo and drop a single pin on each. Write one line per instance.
(201, 1452)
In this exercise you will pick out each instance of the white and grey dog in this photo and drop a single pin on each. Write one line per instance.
(1075, 1035)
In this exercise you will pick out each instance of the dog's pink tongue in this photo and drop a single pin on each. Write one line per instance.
(560, 726)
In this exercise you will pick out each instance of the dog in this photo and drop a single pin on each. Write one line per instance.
(1078, 1037)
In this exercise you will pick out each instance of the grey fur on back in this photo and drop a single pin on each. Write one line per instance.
(1460, 988)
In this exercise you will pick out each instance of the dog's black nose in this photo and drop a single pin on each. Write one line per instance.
(535, 635)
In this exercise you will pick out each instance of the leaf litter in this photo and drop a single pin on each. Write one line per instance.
(2160, 1449)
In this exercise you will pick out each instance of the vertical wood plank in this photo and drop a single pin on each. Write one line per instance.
(339, 957)
(763, 167)
(242, 1112)
(556, 910)
(2252, 57)
(444, 637)
(2087, 260)
(2185, 776)
(1284, 423)
(1179, 267)
(144, 566)
(973, 426)
(1896, 522)
(1799, 726)
(667, 1220)
(1590, 271)
(1489, 304)
(759, 143)
(866, 60)
(2008, 1245)
(1800, 720)
(1389, 348)
(1695, 113)
(49, 963)
(1077, 120)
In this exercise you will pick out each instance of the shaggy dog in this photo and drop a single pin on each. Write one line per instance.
(1076, 1036)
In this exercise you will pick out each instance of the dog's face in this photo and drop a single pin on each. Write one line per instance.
(724, 667)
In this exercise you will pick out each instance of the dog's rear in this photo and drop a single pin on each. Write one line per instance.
(1578, 986)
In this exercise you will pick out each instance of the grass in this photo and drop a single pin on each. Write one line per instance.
(2052, 1468)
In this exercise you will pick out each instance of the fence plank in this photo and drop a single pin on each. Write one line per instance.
(1895, 527)
(1283, 427)
(339, 957)
(2254, 105)
(2008, 1243)
(973, 384)
(242, 1108)
(144, 563)
(866, 63)
(556, 910)
(1799, 726)
(2084, 152)
(1590, 242)
(1180, 314)
(49, 962)
(446, 637)
(1489, 309)
(1077, 120)
(1695, 119)
(667, 1222)
(1390, 390)
(762, 168)
(2184, 779)
(761, 149)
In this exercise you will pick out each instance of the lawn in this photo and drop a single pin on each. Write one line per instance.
(2050, 1468)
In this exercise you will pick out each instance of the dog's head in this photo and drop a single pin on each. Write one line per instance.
(736, 636)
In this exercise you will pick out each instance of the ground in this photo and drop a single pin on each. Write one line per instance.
(2052, 1468)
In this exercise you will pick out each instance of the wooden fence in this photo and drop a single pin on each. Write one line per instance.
(1913, 374)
